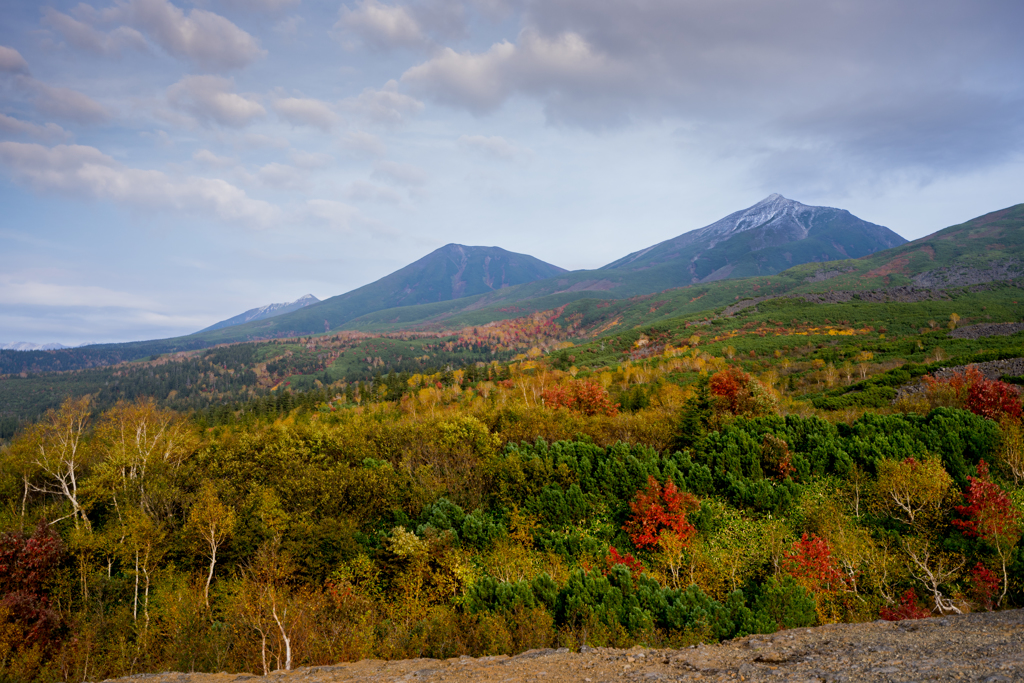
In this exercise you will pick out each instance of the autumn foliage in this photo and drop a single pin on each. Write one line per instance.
(730, 386)
(907, 608)
(810, 563)
(660, 508)
(634, 565)
(990, 515)
(26, 564)
(580, 396)
(972, 390)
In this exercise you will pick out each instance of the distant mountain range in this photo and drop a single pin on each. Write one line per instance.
(29, 346)
(264, 312)
(774, 234)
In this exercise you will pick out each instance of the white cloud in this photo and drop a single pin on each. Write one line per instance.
(538, 64)
(19, 291)
(363, 143)
(85, 171)
(402, 174)
(85, 37)
(385, 106)
(49, 132)
(205, 38)
(209, 99)
(362, 191)
(379, 26)
(494, 146)
(11, 61)
(306, 112)
(64, 103)
(208, 158)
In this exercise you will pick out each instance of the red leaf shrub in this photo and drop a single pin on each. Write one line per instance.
(906, 609)
(580, 396)
(811, 564)
(984, 585)
(634, 565)
(658, 508)
(730, 386)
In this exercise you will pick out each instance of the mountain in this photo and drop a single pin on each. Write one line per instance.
(767, 238)
(29, 346)
(264, 312)
(454, 271)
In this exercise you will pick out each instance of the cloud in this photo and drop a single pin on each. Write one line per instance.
(208, 158)
(379, 26)
(209, 99)
(384, 106)
(64, 103)
(18, 291)
(207, 39)
(306, 112)
(260, 5)
(494, 146)
(362, 191)
(86, 172)
(401, 174)
(536, 65)
(49, 132)
(85, 37)
(363, 143)
(893, 84)
(11, 61)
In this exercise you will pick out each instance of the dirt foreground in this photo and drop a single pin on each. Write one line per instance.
(974, 647)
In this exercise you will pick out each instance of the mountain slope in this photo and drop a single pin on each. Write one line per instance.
(452, 272)
(264, 312)
(767, 238)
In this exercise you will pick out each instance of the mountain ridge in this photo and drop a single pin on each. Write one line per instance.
(264, 312)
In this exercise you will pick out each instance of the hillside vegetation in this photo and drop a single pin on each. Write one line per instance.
(736, 457)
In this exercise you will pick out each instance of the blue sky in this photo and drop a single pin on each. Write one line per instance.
(165, 165)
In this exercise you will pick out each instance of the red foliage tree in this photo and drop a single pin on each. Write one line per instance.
(984, 585)
(991, 516)
(730, 386)
(992, 399)
(906, 609)
(811, 564)
(634, 565)
(660, 508)
(26, 564)
(580, 396)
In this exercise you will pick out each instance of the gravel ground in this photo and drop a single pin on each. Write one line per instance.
(986, 330)
(973, 647)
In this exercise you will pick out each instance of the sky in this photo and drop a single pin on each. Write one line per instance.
(167, 164)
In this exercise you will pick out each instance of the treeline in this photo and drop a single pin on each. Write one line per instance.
(491, 518)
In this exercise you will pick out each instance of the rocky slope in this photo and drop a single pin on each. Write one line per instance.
(980, 647)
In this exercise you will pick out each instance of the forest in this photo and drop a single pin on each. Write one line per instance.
(664, 485)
